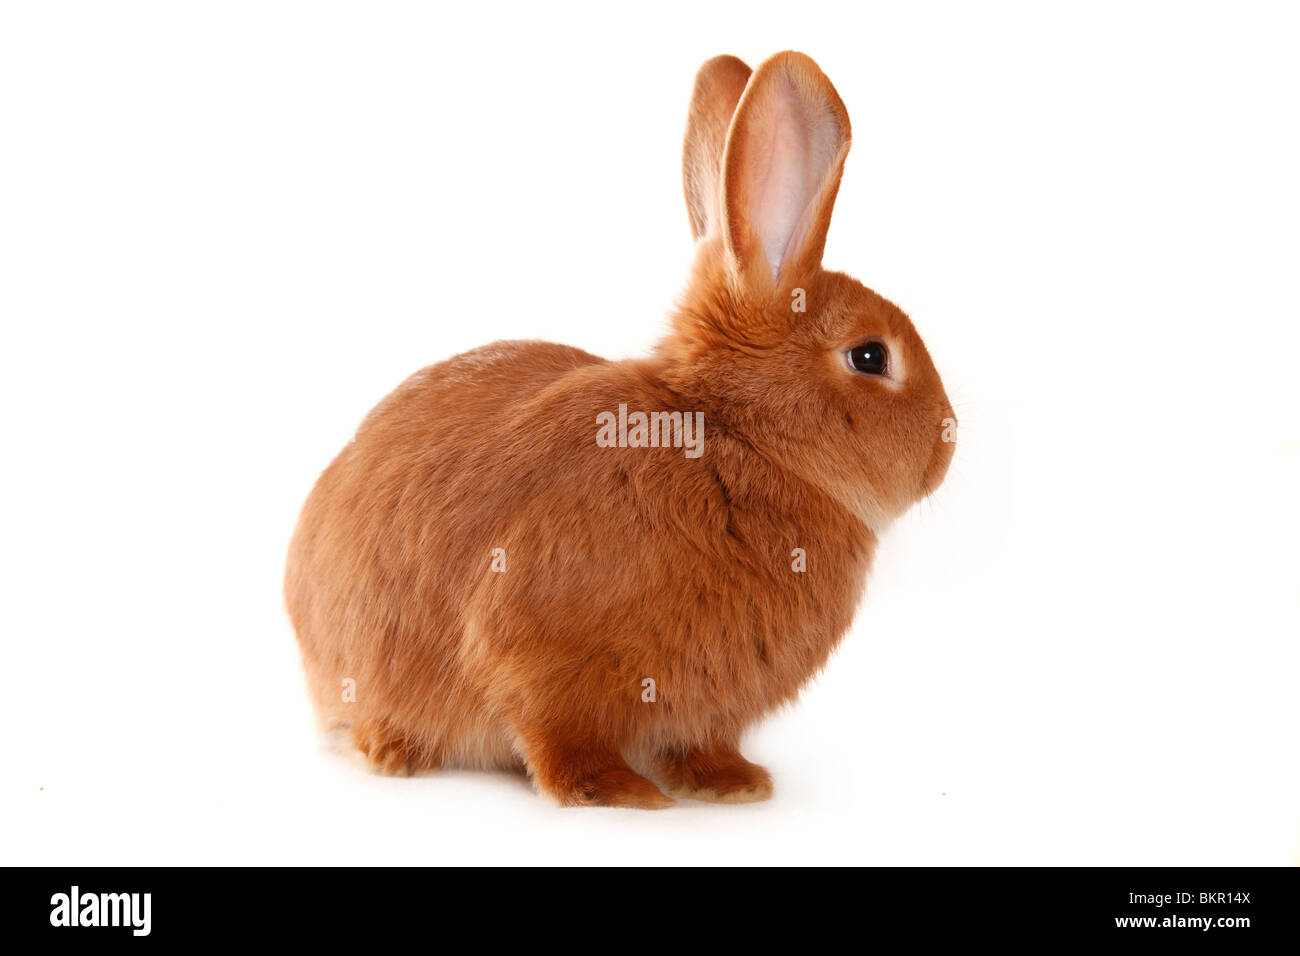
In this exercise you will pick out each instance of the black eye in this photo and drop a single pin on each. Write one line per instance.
(870, 358)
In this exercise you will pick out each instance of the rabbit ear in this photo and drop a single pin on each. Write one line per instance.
(781, 170)
(718, 86)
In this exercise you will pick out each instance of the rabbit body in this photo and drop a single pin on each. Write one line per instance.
(477, 581)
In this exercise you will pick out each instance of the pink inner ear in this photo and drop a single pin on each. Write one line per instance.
(797, 142)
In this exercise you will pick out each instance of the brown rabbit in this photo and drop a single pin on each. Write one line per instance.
(508, 568)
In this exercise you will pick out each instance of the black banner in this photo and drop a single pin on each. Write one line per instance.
(1231, 907)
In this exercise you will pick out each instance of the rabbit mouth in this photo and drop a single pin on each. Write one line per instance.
(937, 469)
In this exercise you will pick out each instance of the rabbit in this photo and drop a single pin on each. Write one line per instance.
(476, 581)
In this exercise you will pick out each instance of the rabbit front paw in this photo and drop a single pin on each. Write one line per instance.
(717, 774)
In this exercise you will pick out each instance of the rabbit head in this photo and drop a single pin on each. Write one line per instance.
(809, 366)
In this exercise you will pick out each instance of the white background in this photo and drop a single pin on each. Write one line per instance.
(228, 229)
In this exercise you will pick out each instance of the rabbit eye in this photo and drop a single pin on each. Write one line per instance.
(869, 358)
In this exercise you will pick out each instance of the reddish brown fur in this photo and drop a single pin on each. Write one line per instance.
(622, 563)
